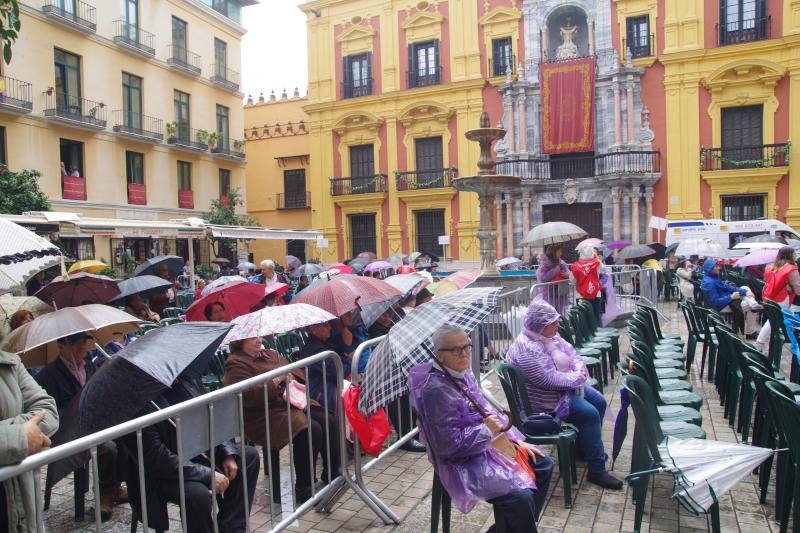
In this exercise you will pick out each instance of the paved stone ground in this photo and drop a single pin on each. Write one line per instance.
(404, 482)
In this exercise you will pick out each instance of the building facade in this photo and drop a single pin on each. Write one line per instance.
(130, 110)
(278, 177)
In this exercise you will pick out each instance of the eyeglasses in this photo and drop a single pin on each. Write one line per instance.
(467, 348)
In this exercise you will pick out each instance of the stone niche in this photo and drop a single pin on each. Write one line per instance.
(573, 20)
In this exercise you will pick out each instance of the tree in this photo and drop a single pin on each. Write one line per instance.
(223, 212)
(19, 192)
(9, 26)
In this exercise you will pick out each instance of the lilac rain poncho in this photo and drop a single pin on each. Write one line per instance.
(459, 443)
(539, 358)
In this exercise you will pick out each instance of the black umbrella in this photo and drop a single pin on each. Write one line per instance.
(141, 372)
(358, 264)
(660, 249)
(635, 251)
(140, 285)
(174, 265)
(671, 249)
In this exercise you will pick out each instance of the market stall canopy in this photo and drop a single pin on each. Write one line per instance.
(246, 232)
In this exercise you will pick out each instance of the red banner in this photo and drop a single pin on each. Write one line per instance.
(567, 105)
(73, 188)
(137, 194)
(185, 199)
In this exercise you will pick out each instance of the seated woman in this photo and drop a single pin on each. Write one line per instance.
(249, 359)
(556, 381)
(135, 306)
(722, 295)
(460, 438)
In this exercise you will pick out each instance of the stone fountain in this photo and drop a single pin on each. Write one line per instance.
(486, 184)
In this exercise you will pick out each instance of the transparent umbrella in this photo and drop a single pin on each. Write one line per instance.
(553, 233)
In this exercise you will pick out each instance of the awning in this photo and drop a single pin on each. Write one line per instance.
(122, 228)
(245, 232)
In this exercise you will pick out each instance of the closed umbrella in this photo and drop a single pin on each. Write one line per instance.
(757, 257)
(635, 251)
(36, 341)
(464, 278)
(174, 265)
(377, 266)
(617, 245)
(237, 299)
(346, 292)
(309, 270)
(620, 426)
(90, 265)
(23, 255)
(553, 233)
(140, 285)
(293, 262)
(275, 320)
(77, 289)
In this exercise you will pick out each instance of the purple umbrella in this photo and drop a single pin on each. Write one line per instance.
(620, 426)
(760, 256)
(377, 266)
(617, 245)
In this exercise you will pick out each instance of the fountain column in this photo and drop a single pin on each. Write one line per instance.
(498, 221)
(526, 225)
(509, 225)
(636, 195)
(648, 203)
(615, 198)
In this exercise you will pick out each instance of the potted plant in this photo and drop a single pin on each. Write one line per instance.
(214, 139)
(202, 136)
(238, 145)
(172, 129)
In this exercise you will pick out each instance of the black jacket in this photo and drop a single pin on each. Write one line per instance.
(59, 383)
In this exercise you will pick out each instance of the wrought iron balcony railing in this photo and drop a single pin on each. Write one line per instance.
(542, 169)
(228, 147)
(15, 95)
(224, 77)
(425, 179)
(184, 137)
(762, 156)
(425, 77)
(74, 110)
(639, 48)
(75, 13)
(133, 37)
(184, 60)
(137, 125)
(358, 185)
(498, 66)
(356, 88)
(299, 200)
(744, 31)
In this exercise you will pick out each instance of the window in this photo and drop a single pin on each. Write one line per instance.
(358, 75)
(230, 8)
(362, 234)
(362, 161)
(638, 36)
(3, 160)
(296, 248)
(423, 64)
(429, 161)
(742, 135)
(220, 59)
(179, 37)
(430, 225)
(184, 176)
(78, 248)
(132, 101)
(502, 58)
(742, 21)
(130, 16)
(224, 183)
(742, 207)
(134, 167)
(71, 157)
(294, 188)
(68, 82)
(181, 105)
(222, 127)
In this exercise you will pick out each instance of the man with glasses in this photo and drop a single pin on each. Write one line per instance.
(464, 436)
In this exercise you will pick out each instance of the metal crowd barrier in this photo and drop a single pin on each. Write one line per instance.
(559, 294)
(634, 286)
(201, 423)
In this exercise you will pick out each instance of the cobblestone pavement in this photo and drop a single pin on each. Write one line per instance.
(404, 480)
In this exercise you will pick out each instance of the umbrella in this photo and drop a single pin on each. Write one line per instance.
(140, 285)
(377, 266)
(277, 288)
(245, 265)
(396, 259)
(654, 264)
(407, 284)
(89, 265)
(237, 299)
(174, 265)
(309, 270)
(422, 255)
(690, 247)
(11, 304)
(440, 288)
(766, 245)
(358, 264)
(414, 255)
(660, 249)
(703, 470)
(293, 262)
(636, 251)
(766, 237)
(219, 282)
(69, 291)
(346, 292)
(143, 370)
(464, 278)
(341, 267)
(671, 249)
(36, 341)
(408, 343)
(594, 242)
(275, 320)
(369, 256)
(553, 233)
(620, 425)
(24, 254)
(508, 261)
(617, 245)
(222, 261)
(757, 257)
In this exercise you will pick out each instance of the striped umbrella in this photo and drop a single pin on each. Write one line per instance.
(464, 278)
(347, 292)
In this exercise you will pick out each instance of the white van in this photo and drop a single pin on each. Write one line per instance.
(727, 234)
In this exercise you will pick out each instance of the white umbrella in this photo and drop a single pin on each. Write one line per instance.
(759, 246)
(701, 248)
(220, 281)
(507, 261)
(23, 255)
(553, 233)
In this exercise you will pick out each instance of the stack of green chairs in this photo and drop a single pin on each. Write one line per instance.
(695, 333)
(774, 315)
(185, 299)
(172, 312)
(583, 339)
(674, 396)
(710, 344)
(287, 344)
(171, 320)
(782, 401)
(591, 356)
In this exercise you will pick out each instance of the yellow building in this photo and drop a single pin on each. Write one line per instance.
(278, 195)
(393, 87)
(130, 110)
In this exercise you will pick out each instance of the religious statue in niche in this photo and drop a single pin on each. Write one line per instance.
(567, 49)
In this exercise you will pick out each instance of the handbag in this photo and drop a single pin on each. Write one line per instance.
(295, 394)
(542, 424)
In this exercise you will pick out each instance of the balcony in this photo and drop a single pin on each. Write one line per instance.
(134, 39)
(499, 67)
(183, 60)
(764, 156)
(293, 200)
(137, 126)
(425, 179)
(228, 148)
(542, 169)
(224, 77)
(185, 199)
(360, 185)
(137, 194)
(744, 31)
(426, 78)
(73, 187)
(74, 111)
(188, 139)
(15, 96)
(74, 14)
(640, 48)
(356, 89)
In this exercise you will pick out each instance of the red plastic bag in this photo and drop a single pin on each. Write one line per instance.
(373, 431)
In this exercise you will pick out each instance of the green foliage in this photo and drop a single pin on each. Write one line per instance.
(225, 214)
(19, 191)
(108, 271)
(204, 271)
(9, 26)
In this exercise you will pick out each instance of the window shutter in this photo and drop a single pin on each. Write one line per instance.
(723, 19)
(368, 82)
(412, 62)
(436, 62)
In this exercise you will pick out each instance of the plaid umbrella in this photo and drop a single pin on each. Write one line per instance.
(386, 375)
(275, 320)
(346, 292)
(464, 278)
(75, 289)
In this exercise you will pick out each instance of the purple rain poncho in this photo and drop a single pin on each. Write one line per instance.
(459, 443)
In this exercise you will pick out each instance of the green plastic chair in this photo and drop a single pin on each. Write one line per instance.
(694, 334)
(185, 299)
(171, 320)
(710, 343)
(584, 340)
(288, 344)
(788, 423)
(172, 312)
(517, 396)
(602, 333)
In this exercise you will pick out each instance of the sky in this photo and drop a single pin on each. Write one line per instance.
(274, 49)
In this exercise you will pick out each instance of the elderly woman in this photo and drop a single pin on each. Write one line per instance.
(135, 306)
(685, 285)
(459, 428)
(249, 359)
(20, 318)
(556, 377)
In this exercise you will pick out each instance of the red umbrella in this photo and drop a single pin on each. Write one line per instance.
(464, 278)
(77, 289)
(341, 267)
(237, 298)
(344, 293)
